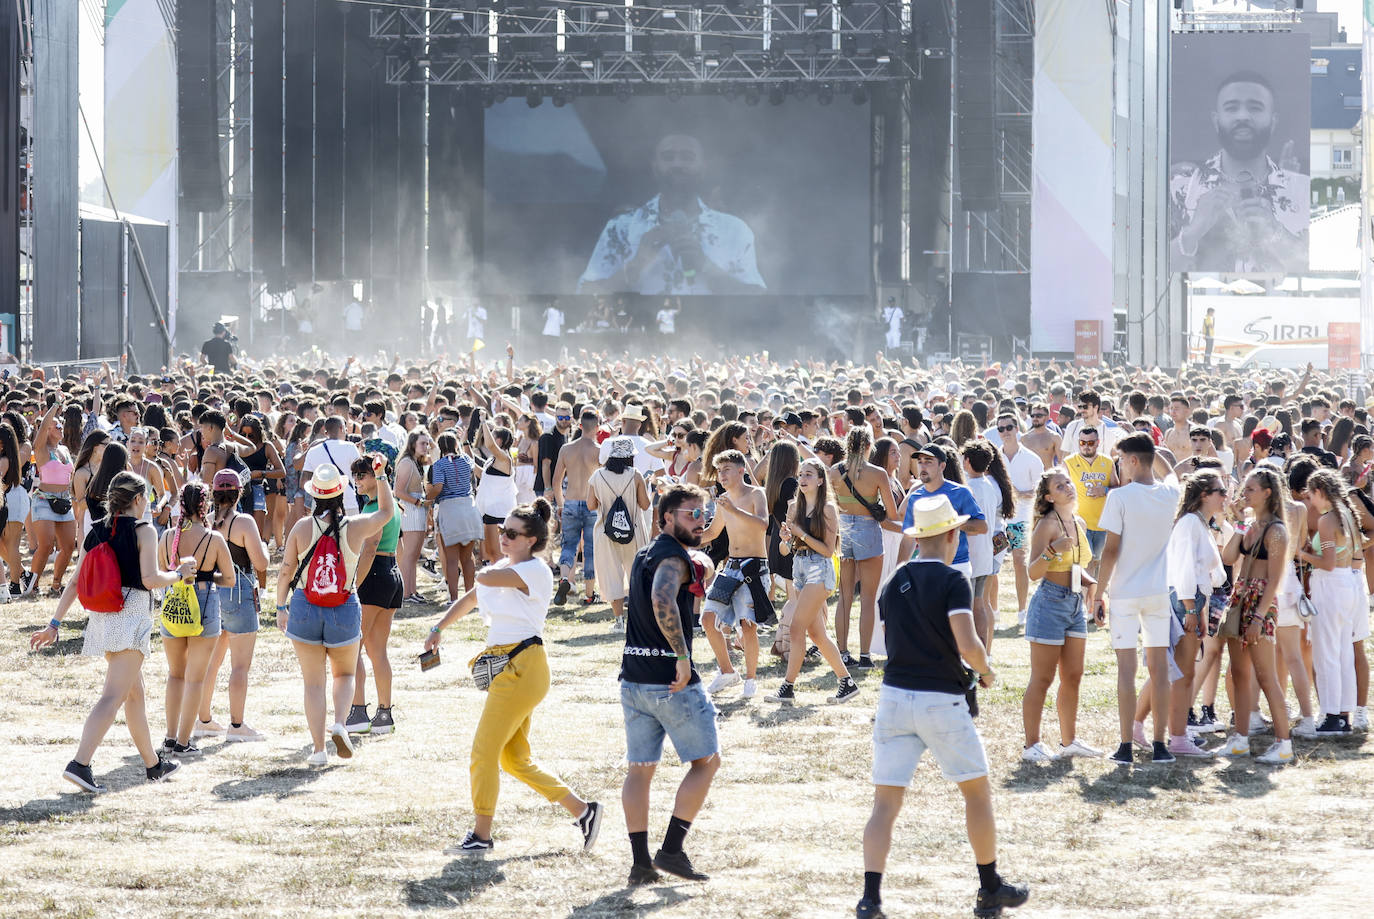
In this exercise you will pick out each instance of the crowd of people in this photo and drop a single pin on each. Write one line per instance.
(1210, 518)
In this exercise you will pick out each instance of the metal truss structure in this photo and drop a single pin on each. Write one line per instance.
(223, 240)
(578, 44)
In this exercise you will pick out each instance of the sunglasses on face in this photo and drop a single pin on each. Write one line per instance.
(1087, 443)
(1006, 428)
(1039, 415)
(695, 513)
(510, 533)
(565, 417)
(361, 475)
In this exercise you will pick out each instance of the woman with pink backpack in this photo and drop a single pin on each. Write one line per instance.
(317, 605)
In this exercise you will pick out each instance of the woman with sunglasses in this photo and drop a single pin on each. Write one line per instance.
(263, 464)
(138, 445)
(54, 522)
(415, 502)
(513, 597)
(380, 593)
(1056, 621)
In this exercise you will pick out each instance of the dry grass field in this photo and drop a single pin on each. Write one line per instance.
(250, 830)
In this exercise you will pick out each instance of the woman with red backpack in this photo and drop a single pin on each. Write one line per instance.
(323, 618)
(123, 635)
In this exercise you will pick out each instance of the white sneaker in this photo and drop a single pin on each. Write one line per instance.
(342, 745)
(1079, 748)
(1305, 728)
(1037, 753)
(1280, 753)
(1359, 720)
(1021, 618)
(619, 625)
(318, 758)
(243, 734)
(750, 688)
(1235, 745)
(209, 728)
(1258, 725)
(724, 681)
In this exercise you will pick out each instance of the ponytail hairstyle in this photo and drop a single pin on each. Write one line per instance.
(858, 443)
(124, 490)
(195, 500)
(984, 459)
(1334, 488)
(332, 509)
(1267, 477)
(1195, 488)
(535, 518)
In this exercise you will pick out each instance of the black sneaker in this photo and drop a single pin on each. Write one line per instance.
(590, 825)
(1161, 754)
(867, 909)
(786, 693)
(991, 902)
(27, 582)
(848, 659)
(564, 588)
(1124, 755)
(82, 777)
(184, 749)
(643, 874)
(677, 863)
(848, 690)
(358, 722)
(1332, 726)
(864, 662)
(164, 768)
(813, 653)
(1192, 718)
(381, 722)
(430, 564)
(168, 746)
(472, 844)
(15, 590)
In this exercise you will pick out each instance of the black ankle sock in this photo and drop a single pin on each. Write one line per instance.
(639, 847)
(872, 881)
(236, 724)
(677, 832)
(988, 878)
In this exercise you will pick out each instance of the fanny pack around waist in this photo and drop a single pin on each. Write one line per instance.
(752, 573)
(486, 667)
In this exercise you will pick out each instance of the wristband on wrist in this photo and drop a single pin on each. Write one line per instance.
(683, 657)
(435, 630)
(54, 622)
(283, 607)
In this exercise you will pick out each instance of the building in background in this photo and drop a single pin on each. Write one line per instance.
(1336, 110)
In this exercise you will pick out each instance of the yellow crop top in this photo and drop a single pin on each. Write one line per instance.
(1081, 556)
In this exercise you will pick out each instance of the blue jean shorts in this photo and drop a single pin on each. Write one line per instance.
(331, 626)
(812, 568)
(239, 605)
(687, 718)
(208, 596)
(909, 722)
(42, 510)
(1054, 614)
(1097, 539)
(861, 537)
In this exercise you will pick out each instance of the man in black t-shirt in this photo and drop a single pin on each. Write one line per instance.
(219, 351)
(927, 612)
(660, 691)
(550, 443)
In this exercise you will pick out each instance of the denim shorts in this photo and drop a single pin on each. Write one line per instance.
(239, 605)
(861, 537)
(1096, 540)
(909, 722)
(42, 510)
(687, 718)
(1054, 614)
(257, 495)
(208, 596)
(812, 568)
(730, 600)
(331, 626)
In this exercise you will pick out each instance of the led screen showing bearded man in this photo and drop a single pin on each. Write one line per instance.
(1240, 210)
(673, 243)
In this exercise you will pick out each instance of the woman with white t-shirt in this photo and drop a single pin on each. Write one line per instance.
(513, 596)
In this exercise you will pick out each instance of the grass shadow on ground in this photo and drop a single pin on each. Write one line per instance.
(281, 782)
(1124, 784)
(43, 810)
(464, 878)
(620, 903)
(1028, 777)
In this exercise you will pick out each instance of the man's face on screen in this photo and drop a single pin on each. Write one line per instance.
(1244, 119)
(678, 164)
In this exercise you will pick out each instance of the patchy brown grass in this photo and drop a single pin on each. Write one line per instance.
(250, 830)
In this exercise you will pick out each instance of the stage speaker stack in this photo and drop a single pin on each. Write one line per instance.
(202, 174)
(975, 105)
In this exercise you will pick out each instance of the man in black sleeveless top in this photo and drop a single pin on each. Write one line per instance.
(660, 691)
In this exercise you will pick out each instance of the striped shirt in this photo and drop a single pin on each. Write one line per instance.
(455, 472)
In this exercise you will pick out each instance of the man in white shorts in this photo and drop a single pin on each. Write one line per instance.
(1138, 518)
(927, 610)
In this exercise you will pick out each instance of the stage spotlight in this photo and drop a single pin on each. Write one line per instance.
(776, 94)
(561, 96)
(751, 95)
(502, 93)
(533, 97)
(860, 95)
(826, 94)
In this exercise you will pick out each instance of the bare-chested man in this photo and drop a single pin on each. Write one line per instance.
(739, 594)
(1040, 440)
(1229, 424)
(576, 463)
(1176, 438)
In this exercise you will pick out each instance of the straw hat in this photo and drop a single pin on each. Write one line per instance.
(326, 482)
(932, 516)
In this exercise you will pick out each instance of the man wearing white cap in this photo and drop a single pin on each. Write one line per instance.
(934, 659)
(631, 418)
